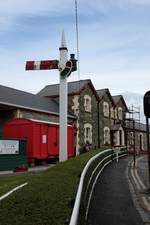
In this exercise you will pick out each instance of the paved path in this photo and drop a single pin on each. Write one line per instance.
(139, 180)
(112, 202)
(30, 170)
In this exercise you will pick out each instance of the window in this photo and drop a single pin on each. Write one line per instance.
(116, 114)
(131, 140)
(87, 133)
(106, 109)
(106, 136)
(120, 113)
(141, 144)
(87, 103)
(75, 106)
(112, 113)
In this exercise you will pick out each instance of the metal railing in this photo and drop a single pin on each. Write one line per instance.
(88, 179)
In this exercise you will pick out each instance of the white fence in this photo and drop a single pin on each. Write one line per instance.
(105, 157)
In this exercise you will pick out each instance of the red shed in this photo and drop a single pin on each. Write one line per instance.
(42, 137)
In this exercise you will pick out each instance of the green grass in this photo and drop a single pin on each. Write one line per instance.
(46, 200)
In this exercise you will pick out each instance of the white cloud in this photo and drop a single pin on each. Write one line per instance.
(12, 10)
(105, 45)
(28, 7)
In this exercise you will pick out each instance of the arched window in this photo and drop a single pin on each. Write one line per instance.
(106, 109)
(106, 136)
(87, 103)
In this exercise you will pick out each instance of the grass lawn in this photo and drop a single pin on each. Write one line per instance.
(46, 200)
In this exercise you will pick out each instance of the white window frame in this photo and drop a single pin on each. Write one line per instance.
(106, 137)
(115, 113)
(87, 137)
(75, 106)
(112, 113)
(106, 109)
(120, 113)
(87, 103)
(131, 139)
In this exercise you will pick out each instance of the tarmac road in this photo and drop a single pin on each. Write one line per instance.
(112, 202)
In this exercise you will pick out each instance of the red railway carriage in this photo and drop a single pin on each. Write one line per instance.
(42, 138)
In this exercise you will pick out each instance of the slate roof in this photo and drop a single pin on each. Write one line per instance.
(74, 87)
(138, 126)
(117, 98)
(53, 90)
(21, 99)
(102, 92)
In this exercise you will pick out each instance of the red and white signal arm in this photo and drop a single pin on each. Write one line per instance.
(42, 65)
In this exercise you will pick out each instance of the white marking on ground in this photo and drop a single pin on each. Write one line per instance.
(13, 190)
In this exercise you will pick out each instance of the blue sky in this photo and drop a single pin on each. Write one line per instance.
(114, 42)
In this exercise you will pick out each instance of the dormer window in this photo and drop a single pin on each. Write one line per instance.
(106, 109)
(87, 103)
(120, 116)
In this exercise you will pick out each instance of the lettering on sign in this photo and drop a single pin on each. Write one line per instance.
(9, 147)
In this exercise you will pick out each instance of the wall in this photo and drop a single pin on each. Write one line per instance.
(77, 106)
(104, 121)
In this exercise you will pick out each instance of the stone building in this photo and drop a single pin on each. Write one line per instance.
(136, 137)
(119, 120)
(83, 103)
(106, 117)
(99, 117)
(112, 110)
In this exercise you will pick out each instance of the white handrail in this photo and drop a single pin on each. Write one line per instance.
(75, 213)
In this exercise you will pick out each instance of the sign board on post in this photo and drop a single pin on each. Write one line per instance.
(147, 104)
(9, 147)
(147, 114)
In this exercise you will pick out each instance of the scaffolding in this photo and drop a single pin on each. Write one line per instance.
(132, 123)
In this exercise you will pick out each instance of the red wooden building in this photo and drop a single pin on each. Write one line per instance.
(42, 138)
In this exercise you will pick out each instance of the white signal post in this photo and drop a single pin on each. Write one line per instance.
(63, 101)
(65, 68)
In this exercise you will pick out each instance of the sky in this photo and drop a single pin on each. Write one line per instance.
(114, 42)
